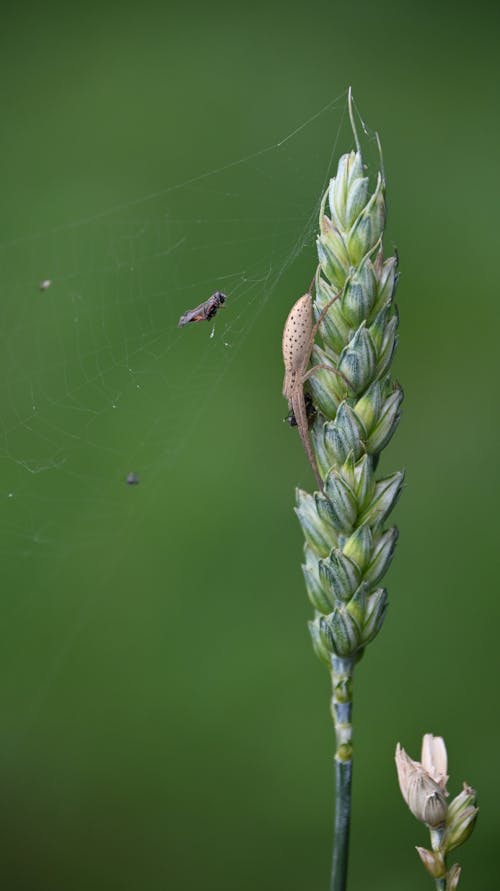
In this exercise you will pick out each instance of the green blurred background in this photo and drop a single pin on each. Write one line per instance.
(164, 721)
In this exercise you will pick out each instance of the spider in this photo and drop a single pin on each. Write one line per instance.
(298, 338)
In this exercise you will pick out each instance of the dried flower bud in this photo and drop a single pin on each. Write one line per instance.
(433, 862)
(435, 759)
(423, 795)
(463, 800)
(423, 786)
(453, 877)
(461, 819)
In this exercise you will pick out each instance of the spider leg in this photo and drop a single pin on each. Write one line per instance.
(299, 409)
(311, 371)
(323, 313)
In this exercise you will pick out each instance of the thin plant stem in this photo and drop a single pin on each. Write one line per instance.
(343, 779)
(342, 717)
(437, 837)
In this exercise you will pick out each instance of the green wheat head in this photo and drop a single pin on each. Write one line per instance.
(347, 549)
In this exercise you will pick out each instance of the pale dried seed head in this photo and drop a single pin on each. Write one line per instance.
(405, 767)
(422, 794)
(453, 877)
(427, 804)
(435, 759)
(433, 862)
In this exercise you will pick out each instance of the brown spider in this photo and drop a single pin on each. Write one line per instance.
(298, 339)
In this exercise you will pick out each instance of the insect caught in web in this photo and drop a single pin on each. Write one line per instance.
(298, 339)
(310, 412)
(205, 311)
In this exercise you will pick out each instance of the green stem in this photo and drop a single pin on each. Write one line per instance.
(343, 777)
(342, 711)
(437, 835)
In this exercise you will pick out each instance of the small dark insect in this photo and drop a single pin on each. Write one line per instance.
(204, 311)
(132, 479)
(310, 412)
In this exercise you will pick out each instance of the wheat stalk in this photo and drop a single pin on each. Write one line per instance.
(347, 550)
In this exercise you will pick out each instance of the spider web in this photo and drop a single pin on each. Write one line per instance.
(90, 327)
(98, 384)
